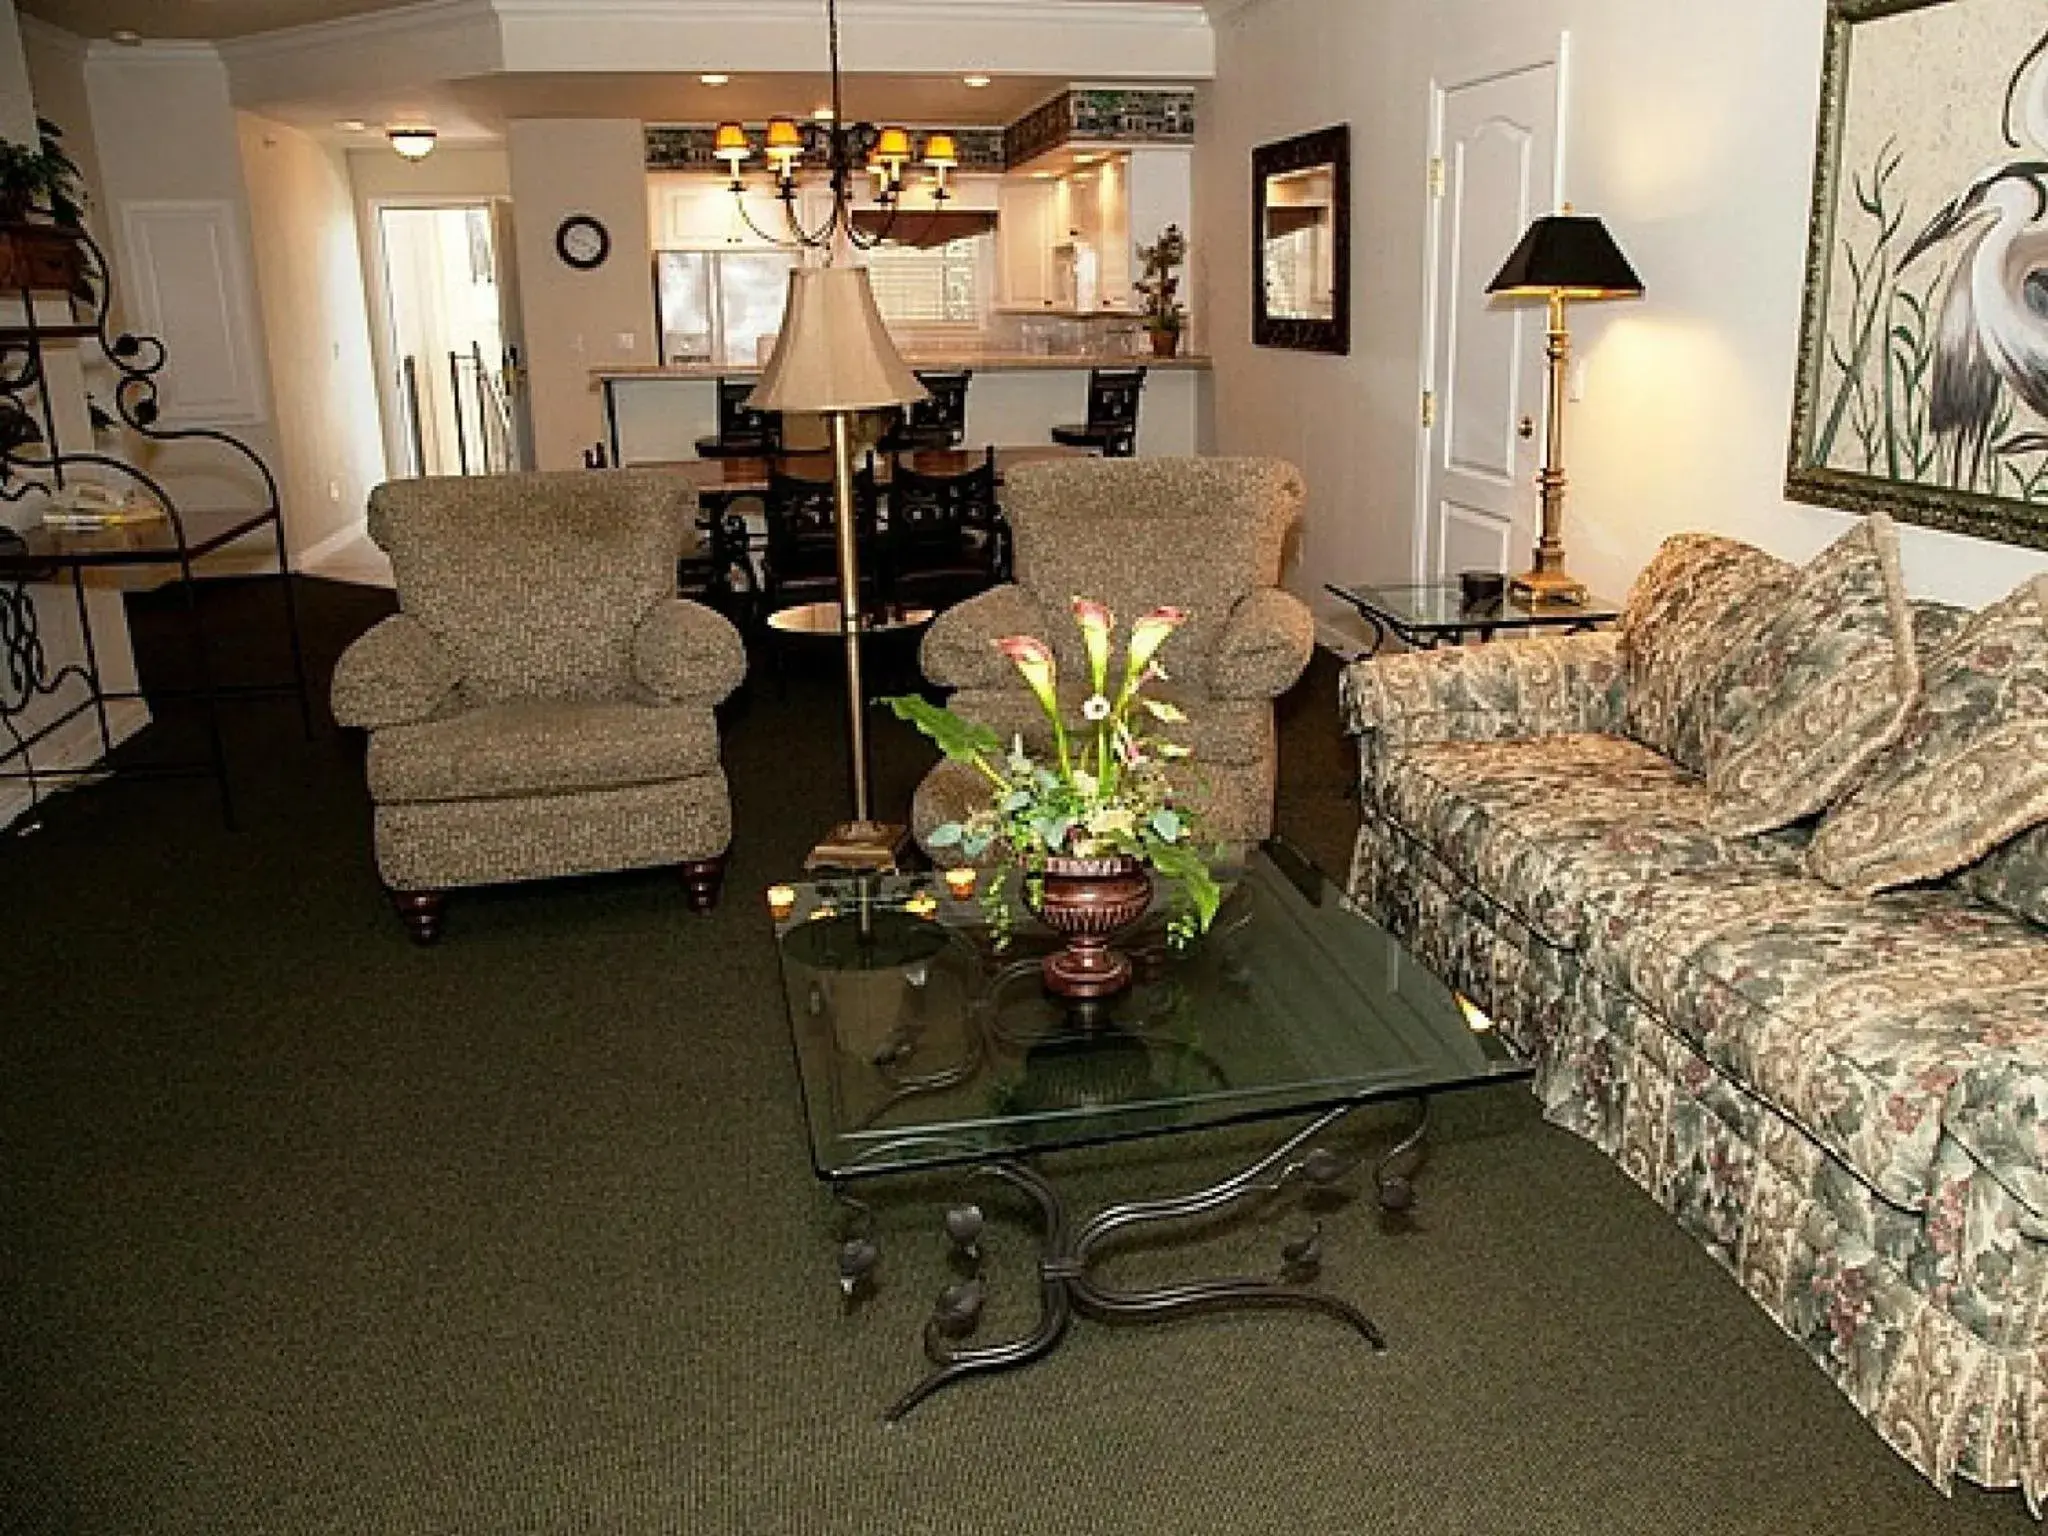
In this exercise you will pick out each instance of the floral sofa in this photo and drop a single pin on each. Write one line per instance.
(1830, 1068)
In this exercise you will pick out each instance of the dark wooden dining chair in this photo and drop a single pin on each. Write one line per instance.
(743, 432)
(940, 422)
(944, 538)
(1112, 425)
(800, 555)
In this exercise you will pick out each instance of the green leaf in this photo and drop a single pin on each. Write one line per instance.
(947, 834)
(961, 740)
(1167, 823)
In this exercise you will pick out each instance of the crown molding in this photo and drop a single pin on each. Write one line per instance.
(1062, 13)
(48, 35)
(153, 52)
(398, 24)
(1230, 10)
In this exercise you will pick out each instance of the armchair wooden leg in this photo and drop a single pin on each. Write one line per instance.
(702, 879)
(420, 911)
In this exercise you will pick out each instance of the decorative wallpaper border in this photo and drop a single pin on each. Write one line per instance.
(687, 147)
(1147, 115)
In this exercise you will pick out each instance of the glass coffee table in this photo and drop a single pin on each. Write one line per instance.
(921, 1045)
(1424, 616)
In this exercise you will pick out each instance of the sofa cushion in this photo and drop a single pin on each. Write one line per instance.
(1696, 602)
(2014, 876)
(510, 750)
(1854, 1017)
(1818, 690)
(1544, 827)
(1971, 767)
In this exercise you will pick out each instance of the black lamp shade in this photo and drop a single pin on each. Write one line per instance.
(1571, 255)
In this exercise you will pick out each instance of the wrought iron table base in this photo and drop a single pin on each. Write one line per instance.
(1067, 1287)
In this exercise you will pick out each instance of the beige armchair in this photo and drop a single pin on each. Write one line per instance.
(542, 703)
(1209, 535)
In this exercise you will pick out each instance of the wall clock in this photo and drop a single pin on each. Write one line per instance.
(582, 242)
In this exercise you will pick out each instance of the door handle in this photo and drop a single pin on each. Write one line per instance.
(1526, 428)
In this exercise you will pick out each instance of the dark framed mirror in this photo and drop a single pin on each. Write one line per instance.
(1301, 242)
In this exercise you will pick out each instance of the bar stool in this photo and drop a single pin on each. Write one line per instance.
(940, 422)
(1112, 425)
(743, 432)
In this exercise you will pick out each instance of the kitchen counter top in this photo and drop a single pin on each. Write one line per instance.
(991, 362)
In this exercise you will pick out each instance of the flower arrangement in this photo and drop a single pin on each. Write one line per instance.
(1105, 793)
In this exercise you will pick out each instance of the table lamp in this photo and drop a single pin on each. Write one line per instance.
(1564, 256)
(834, 357)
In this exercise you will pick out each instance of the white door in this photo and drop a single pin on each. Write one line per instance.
(1496, 168)
(512, 335)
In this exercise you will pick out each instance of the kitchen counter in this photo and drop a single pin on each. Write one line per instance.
(655, 414)
(989, 362)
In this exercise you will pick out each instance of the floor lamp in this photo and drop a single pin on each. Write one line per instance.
(834, 357)
(1563, 256)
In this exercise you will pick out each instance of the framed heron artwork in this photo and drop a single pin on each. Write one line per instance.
(1923, 359)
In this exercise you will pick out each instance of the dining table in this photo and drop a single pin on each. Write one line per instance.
(727, 543)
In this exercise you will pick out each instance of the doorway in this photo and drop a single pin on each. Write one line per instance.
(1496, 165)
(453, 402)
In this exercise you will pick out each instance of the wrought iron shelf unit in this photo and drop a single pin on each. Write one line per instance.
(69, 268)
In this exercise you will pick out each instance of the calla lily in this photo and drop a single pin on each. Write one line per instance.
(1147, 635)
(1096, 622)
(1034, 659)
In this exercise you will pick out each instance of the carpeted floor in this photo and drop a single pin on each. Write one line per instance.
(305, 1230)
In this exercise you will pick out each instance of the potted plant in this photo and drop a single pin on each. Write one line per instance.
(1091, 824)
(1165, 317)
(42, 201)
(40, 179)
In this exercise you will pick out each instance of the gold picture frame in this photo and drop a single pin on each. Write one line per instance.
(1923, 357)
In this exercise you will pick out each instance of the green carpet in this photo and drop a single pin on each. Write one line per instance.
(305, 1230)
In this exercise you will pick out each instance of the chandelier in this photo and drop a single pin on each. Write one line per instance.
(844, 152)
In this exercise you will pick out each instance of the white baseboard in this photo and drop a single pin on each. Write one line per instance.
(334, 543)
(75, 745)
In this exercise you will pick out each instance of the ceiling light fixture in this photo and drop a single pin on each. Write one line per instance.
(974, 82)
(714, 79)
(412, 141)
(351, 125)
(844, 151)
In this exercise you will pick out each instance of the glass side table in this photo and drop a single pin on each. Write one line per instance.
(1431, 614)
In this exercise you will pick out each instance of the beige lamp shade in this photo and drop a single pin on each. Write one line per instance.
(834, 353)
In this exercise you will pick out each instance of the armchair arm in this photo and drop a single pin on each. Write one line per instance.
(959, 650)
(685, 653)
(1263, 647)
(1555, 685)
(395, 674)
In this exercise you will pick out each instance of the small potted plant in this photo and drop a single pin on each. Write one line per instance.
(1165, 317)
(1090, 825)
(40, 179)
(42, 200)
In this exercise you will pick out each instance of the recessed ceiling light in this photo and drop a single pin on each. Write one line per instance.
(351, 125)
(127, 37)
(974, 82)
(1086, 159)
(1041, 175)
(713, 79)
(823, 115)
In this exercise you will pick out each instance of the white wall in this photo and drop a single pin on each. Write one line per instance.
(165, 135)
(576, 321)
(316, 330)
(1690, 131)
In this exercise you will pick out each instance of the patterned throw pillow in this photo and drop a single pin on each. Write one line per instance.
(2014, 876)
(1970, 769)
(1818, 690)
(1691, 606)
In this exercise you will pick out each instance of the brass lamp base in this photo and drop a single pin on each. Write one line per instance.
(1554, 587)
(858, 847)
